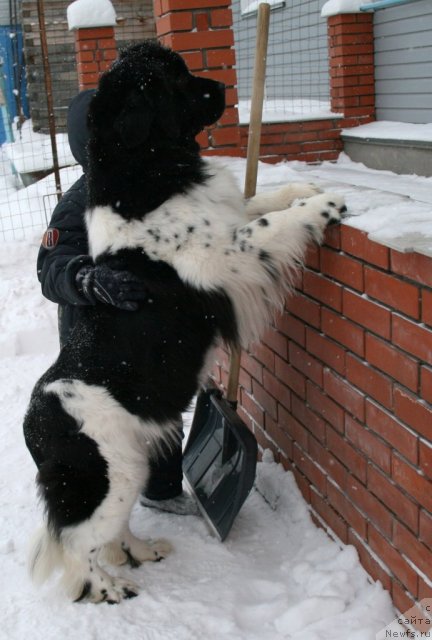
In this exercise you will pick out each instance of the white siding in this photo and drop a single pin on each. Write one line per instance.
(403, 59)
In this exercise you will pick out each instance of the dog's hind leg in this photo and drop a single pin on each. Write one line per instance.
(129, 549)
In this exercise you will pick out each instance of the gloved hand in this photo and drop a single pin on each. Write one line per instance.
(118, 287)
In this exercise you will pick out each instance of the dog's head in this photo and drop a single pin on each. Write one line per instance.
(149, 96)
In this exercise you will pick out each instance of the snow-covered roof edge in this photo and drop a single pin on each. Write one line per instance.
(86, 14)
(335, 7)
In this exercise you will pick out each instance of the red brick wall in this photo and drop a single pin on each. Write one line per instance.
(201, 31)
(340, 389)
(95, 50)
(308, 141)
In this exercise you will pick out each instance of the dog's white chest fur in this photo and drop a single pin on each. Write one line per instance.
(198, 220)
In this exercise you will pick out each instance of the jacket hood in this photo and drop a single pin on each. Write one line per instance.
(78, 132)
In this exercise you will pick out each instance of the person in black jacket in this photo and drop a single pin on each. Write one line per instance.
(69, 277)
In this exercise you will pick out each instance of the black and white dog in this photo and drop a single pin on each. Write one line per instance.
(215, 268)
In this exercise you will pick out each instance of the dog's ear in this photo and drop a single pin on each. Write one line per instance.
(134, 121)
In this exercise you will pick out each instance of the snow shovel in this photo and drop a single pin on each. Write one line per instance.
(219, 460)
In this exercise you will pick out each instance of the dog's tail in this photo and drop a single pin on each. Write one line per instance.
(45, 555)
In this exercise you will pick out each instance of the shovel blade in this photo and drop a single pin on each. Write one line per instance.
(219, 461)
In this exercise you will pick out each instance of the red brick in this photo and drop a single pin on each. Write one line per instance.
(309, 469)
(328, 462)
(357, 243)
(343, 331)
(426, 384)
(293, 428)
(393, 498)
(180, 5)
(220, 58)
(291, 327)
(174, 22)
(245, 380)
(302, 483)
(313, 423)
(414, 412)
(279, 436)
(416, 485)
(367, 313)
(395, 363)
(412, 265)
(290, 377)
(425, 591)
(342, 268)
(344, 394)
(252, 366)
(351, 458)
(425, 452)
(264, 355)
(427, 306)
(373, 568)
(408, 544)
(264, 399)
(329, 515)
(323, 289)
(201, 21)
(221, 18)
(227, 76)
(277, 390)
(224, 135)
(393, 560)
(84, 56)
(201, 40)
(193, 59)
(401, 599)
(346, 509)
(251, 407)
(276, 341)
(392, 431)
(393, 292)
(326, 350)
(372, 508)
(95, 33)
(370, 381)
(426, 528)
(369, 444)
(305, 363)
(412, 338)
(325, 406)
(305, 309)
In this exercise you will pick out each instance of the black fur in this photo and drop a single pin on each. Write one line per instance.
(143, 121)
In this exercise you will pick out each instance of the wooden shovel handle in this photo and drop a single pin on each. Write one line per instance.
(254, 140)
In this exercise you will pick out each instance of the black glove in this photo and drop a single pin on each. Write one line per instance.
(118, 287)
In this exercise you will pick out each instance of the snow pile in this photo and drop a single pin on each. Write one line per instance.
(32, 151)
(276, 577)
(284, 110)
(388, 130)
(335, 7)
(83, 14)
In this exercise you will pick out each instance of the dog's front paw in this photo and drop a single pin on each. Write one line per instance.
(321, 211)
(290, 193)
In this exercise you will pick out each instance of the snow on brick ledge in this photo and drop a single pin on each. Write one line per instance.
(335, 7)
(86, 14)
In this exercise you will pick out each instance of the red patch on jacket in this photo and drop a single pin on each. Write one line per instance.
(50, 238)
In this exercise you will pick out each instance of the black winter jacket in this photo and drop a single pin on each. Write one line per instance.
(64, 248)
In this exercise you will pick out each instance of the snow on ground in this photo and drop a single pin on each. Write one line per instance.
(276, 576)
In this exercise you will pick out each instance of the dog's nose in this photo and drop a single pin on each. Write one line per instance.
(221, 86)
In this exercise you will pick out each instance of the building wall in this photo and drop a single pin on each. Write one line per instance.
(5, 18)
(297, 61)
(403, 58)
(340, 389)
(135, 22)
